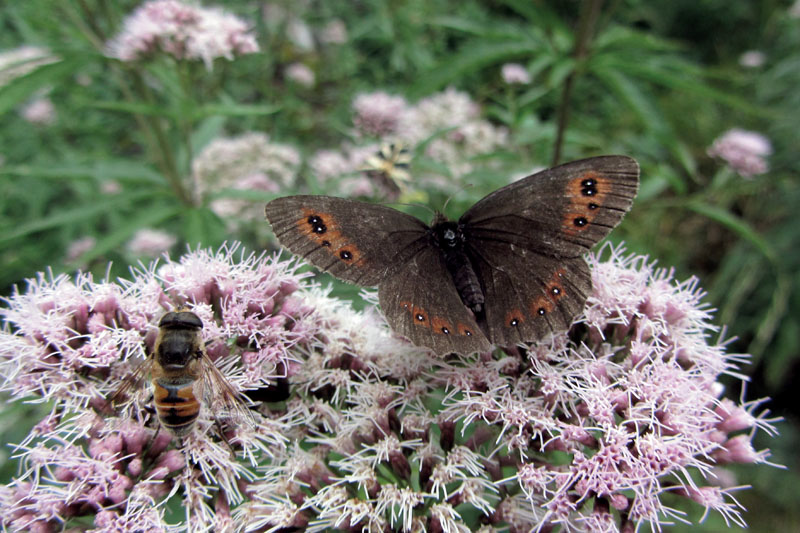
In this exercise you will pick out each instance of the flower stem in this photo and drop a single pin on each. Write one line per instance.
(590, 11)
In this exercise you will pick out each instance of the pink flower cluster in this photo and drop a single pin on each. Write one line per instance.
(39, 111)
(745, 151)
(597, 423)
(378, 113)
(514, 73)
(585, 430)
(74, 342)
(248, 162)
(148, 242)
(184, 31)
(449, 123)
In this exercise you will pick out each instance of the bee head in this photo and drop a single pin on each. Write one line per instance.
(180, 320)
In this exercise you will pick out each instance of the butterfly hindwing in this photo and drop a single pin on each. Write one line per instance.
(355, 241)
(528, 295)
(426, 307)
(560, 212)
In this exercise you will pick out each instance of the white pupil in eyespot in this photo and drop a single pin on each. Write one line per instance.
(449, 235)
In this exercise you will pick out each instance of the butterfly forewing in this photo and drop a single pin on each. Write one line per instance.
(354, 241)
(427, 308)
(560, 212)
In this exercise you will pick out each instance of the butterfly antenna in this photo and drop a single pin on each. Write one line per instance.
(423, 206)
(467, 186)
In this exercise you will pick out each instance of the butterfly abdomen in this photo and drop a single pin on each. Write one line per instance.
(450, 240)
(465, 280)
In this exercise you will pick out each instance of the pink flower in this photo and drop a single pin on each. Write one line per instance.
(300, 74)
(334, 32)
(596, 423)
(744, 151)
(81, 338)
(251, 161)
(515, 73)
(151, 242)
(184, 31)
(79, 247)
(344, 169)
(40, 111)
(752, 59)
(378, 113)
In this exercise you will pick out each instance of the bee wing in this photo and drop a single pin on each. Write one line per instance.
(132, 381)
(226, 401)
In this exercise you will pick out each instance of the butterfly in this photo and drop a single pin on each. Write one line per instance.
(509, 271)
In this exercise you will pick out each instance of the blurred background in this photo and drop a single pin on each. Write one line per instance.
(122, 139)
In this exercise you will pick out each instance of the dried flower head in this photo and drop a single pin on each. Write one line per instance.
(745, 151)
(184, 31)
(585, 430)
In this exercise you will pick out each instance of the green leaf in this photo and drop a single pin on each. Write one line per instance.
(681, 76)
(735, 224)
(625, 39)
(235, 110)
(71, 216)
(537, 13)
(119, 170)
(148, 218)
(629, 93)
(20, 89)
(461, 24)
(202, 227)
(562, 68)
(252, 195)
(135, 108)
(208, 130)
(472, 57)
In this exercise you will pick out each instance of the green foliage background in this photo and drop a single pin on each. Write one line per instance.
(655, 80)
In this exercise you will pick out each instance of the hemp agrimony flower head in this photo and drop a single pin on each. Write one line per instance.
(247, 162)
(584, 431)
(72, 343)
(746, 152)
(447, 123)
(184, 31)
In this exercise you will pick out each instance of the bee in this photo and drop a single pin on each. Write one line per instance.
(183, 376)
(390, 167)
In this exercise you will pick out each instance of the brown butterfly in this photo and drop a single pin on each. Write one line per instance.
(511, 270)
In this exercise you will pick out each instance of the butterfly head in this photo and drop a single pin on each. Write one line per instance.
(447, 233)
